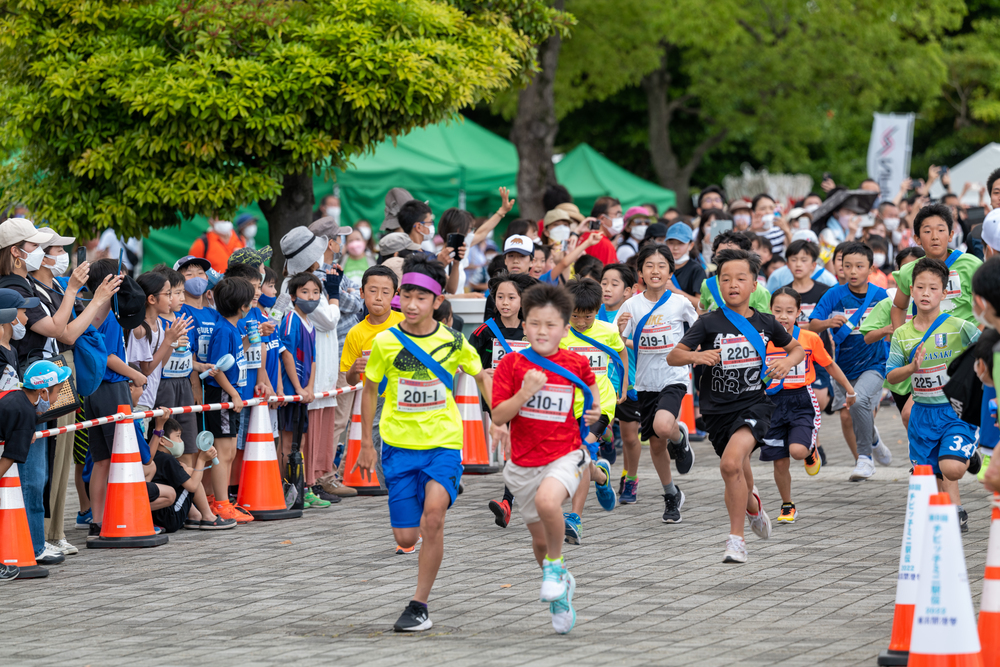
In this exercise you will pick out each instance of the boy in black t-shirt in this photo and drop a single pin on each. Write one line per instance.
(736, 410)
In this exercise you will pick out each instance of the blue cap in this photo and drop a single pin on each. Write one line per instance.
(680, 231)
(11, 299)
(44, 374)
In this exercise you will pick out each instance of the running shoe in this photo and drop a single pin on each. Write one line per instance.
(574, 528)
(606, 495)
(607, 451)
(621, 486)
(981, 475)
(760, 523)
(787, 514)
(245, 513)
(628, 494)
(736, 550)
(405, 550)
(822, 454)
(681, 452)
(698, 435)
(563, 614)
(414, 618)
(554, 580)
(963, 519)
(881, 453)
(812, 462)
(501, 510)
(218, 524)
(976, 463)
(65, 547)
(9, 573)
(314, 500)
(672, 506)
(83, 519)
(863, 470)
(323, 495)
(228, 511)
(94, 532)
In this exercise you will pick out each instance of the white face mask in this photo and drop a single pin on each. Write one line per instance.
(878, 259)
(682, 261)
(558, 233)
(812, 207)
(61, 264)
(334, 211)
(223, 227)
(891, 224)
(429, 236)
(18, 330)
(980, 317)
(366, 233)
(34, 259)
(617, 225)
(768, 220)
(639, 232)
(250, 231)
(897, 237)
(741, 221)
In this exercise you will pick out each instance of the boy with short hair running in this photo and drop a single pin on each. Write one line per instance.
(651, 324)
(617, 284)
(921, 349)
(420, 426)
(736, 410)
(535, 393)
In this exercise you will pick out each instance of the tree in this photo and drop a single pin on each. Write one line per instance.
(127, 114)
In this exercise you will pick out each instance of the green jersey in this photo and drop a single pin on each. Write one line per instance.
(760, 300)
(879, 317)
(957, 293)
(949, 340)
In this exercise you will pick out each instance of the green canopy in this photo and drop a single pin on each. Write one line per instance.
(589, 175)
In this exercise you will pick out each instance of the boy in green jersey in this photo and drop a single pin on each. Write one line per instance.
(986, 304)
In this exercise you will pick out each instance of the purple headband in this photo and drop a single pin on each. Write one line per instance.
(420, 280)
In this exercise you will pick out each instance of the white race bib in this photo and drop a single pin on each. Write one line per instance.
(598, 360)
(796, 374)
(420, 395)
(178, 365)
(657, 339)
(806, 311)
(930, 382)
(241, 363)
(550, 404)
(499, 352)
(254, 356)
(850, 314)
(203, 341)
(737, 352)
(9, 381)
(952, 290)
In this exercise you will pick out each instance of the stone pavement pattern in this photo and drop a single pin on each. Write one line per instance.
(326, 588)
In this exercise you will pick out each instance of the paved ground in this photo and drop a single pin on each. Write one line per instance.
(327, 588)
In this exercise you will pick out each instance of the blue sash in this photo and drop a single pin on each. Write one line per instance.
(930, 330)
(588, 398)
(843, 332)
(771, 391)
(433, 366)
(491, 323)
(743, 324)
(673, 279)
(642, 323)
(819, 272)
(612, 354)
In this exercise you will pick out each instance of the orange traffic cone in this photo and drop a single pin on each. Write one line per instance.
(261, 492)
(922, 486)
(989, 603)
(944, 622)
(15, 537)
(127, 521)
(687, 405)
(363, 484)
(475, 451)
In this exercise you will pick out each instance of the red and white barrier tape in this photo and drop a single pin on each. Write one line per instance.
(208, 407)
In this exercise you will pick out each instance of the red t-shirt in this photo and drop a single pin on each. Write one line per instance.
(604, 251)
(545, 428)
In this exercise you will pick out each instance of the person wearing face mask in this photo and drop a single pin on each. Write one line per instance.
(329, 207)
(197, 308)
(607, 211)
(246, 227)
(688, 275)
(766, 220)
(217, 244)
(637, 221)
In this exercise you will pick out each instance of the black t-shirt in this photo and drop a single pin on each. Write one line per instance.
(17, 425)
(690, 276)
(482, 339)
(32, 343)
(809, 300)
(168, 471)
(51, 299)
(734, 383)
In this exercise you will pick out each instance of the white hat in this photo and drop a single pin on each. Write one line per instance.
(18, 230)
(991, 229)
(519, 243)
(805, 234)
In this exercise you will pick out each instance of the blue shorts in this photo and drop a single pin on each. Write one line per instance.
(936, 432)
(407, 472)
(795, 419)
(823, 379)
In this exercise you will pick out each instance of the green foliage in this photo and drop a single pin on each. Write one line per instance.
(126, 114)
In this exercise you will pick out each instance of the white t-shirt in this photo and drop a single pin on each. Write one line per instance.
(140, 349)
(663, 330)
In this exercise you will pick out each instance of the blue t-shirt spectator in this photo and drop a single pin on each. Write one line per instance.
(114, 341)
(299, 338)
(273, 362)
(253, 353)
(854, 356)
(204, 324)
(225, 340)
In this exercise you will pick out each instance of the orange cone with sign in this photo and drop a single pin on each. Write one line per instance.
(475, 451)
(687, 406)
(944, 622)
(923, 485)
(989, 603)
(15, 537)
(127, 521)
(261, 492)
(365, 485)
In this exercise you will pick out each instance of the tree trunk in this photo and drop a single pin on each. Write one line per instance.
(661, 110)
(293, 208)
(534, 130)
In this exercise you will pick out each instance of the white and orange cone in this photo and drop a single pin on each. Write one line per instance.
(365, 485)
(261, 492)
(475, 451)
(989, 603)
(15, 537)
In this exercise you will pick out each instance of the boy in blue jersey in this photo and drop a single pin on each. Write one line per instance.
(196, 307)
(842, 309)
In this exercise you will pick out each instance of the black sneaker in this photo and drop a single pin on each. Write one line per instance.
(218, 524)
(963, 519)
(414, 618)
(9, 573)
(975, 463)
(461, 490)
(681, 453)
(822, 455)
(94, 532)
(672, 506)
(323, 495)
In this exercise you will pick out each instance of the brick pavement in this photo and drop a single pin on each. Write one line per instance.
(327, 588)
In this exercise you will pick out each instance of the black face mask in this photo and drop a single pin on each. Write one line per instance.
(307, 306)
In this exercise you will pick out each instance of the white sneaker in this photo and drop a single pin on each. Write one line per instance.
(881, 454)
(760, 523)
(736, 550)
(864, 469)
(563, 614)
(65, 547)
(554, 581)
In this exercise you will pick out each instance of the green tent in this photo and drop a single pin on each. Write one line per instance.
(588, 175)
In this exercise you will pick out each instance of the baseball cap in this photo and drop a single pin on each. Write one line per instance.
(250, 256)
(805, 235)
(991, 229)
(394, 200)
(244, 219)
(10, 301)
(556, 215)
(679, 231)
(657, 230)
(56, 238)
(520, 244)
(18, 230)
(637, 211)
(390, 244)
(329, 227)
(44, 374)
(201, 262)
(131, 308)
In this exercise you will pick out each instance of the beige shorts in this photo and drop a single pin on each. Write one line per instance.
(524, 482)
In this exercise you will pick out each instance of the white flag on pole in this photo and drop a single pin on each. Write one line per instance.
(889, 151)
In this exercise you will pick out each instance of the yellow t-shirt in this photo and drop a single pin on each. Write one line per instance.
(359, 339)
(602, 332)
(419, 411)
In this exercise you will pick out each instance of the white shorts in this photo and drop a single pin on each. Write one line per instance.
(523, 482)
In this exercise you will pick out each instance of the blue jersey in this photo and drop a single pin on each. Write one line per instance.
(114, 341)
(201, 333)
(300, 340)
(854, 356)
(605, 315)
(272, 364)
(225, 340)
(253, 351)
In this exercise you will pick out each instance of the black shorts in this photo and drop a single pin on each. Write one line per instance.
(153, 491)
(628, 411)
(601, 425)
(102, 403)
(175, 392)
(669, 398)
(900, 400)
(721, 427)
(171, 519)
(796, 418)
(289, 414)
(221, 423)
